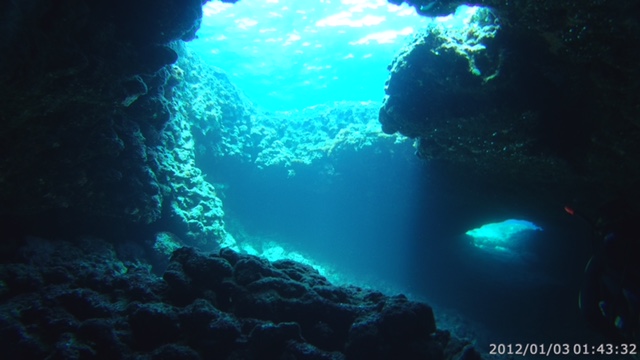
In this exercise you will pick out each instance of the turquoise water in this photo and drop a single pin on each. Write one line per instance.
(287, 54)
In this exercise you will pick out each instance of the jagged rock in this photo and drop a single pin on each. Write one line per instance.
(222, 314)
(153, 324)
(551, 113)
(83, 105)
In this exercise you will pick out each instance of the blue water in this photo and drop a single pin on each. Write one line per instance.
(381, 220)
(288, 54)
(378, 216)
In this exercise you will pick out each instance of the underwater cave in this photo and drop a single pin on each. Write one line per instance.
(352, 179)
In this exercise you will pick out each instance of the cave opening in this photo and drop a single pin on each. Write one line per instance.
(317, 174)
(283, 122)
(307, 173)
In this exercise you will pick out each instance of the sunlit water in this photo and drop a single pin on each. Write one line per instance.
(369, 217)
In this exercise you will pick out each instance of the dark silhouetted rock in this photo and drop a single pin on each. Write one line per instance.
(535, 99)
(205, 312)
(153, 324)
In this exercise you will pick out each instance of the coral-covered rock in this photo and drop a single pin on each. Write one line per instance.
(271, 339)
(526, 92)
(208, 328)
(300, 350)
(191, 274)
(251, 269)
(400, 328)
(102, 336)
(287, 312)
(83, 102)
(83, 303)
(153, 324)
(205, 271)
(296, 138)
(403, 320)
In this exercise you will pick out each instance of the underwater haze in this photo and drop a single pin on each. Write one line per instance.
(369, 213)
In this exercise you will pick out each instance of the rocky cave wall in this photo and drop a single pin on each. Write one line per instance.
(542, 96)
(88, 90)
(86, 95)
(83, 104)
